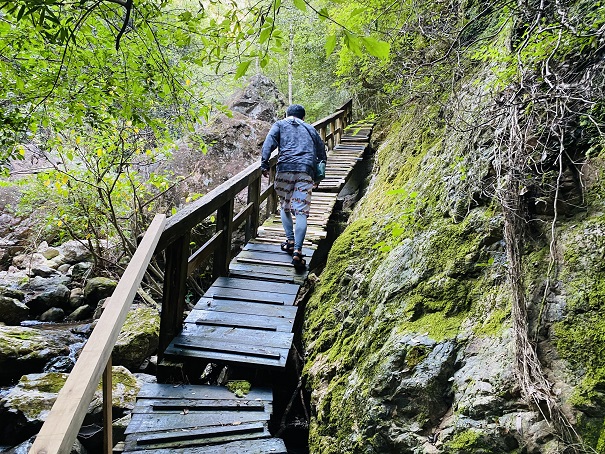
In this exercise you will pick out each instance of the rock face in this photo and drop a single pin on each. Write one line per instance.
(408, 333)
(260, 100)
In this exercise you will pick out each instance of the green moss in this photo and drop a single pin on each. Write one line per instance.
(497, 321)
(465, 441)
(239, 387)
(51, 382)
(438, 326)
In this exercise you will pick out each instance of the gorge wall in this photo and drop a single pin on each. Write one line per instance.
(408, 337)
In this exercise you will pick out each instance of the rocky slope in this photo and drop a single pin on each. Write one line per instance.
(408, 336)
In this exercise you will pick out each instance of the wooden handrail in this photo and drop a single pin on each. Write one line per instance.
(61, 427)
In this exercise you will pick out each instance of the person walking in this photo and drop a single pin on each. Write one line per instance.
(300, 147)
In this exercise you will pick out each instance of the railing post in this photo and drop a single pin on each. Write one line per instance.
(272, 198)
(107, 409)
(222, 256)
(253, 198)
(173, 298)
(338, 133)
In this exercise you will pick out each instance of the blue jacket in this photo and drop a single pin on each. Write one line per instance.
(299, 146)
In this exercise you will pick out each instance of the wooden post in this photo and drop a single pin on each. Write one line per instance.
(338, 130)
(173, 297)
(107, 409)
(222, 256)
(272, 199)
(254, 198)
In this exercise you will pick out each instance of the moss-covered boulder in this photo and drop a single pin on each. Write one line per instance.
(12, 311)
(25, 406)
(26, 350)
(138, 339)
(98, 288)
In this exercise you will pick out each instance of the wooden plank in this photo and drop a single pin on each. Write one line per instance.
(256, 446)
(246, 307)
(261, 322)
(260, 256)
(278, 339)
(131, 444)
(203, 344)
(249, 295)
(227, 358)
(204, 252)
(289, 274)
(61, 428)
(263, 247)
(192, 405)
(252, 284)
(168, 391)
(216, 423)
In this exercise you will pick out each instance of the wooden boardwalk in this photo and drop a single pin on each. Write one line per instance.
(245, 319)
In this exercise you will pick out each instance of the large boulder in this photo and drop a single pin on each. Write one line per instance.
(56, 296)
(24, 407)
(12, 311)
(260, 100)
(25, 350)
(74, 251)
(98, 288)
(138, 339)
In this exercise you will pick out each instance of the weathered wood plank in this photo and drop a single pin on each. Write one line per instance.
(227, 357)
(168, 391)
(252, 284)
(191, 405)
(249, 295)
(240, 335)
(256, 446)
(204, 317)
(210, 423)
(245, 307)
(203, 344)
(287, 274)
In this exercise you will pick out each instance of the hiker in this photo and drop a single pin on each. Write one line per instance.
(300, 148)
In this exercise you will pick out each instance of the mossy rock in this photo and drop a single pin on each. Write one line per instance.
(138, 339)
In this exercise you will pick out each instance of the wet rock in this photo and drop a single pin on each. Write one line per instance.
(260, 100)
(74, 251)
(98, 288)
(81, 313)
(46, 251)
(76, 298)
(81, 270)
(64, 268)
(138, 339)
(25, 350)
(12, 293)
(24, 407)
(29, 261)
(39, 283)
(55, 297)
(54, 314)
(42, 271)
(12, 311)
(24, 448)
(99, 309)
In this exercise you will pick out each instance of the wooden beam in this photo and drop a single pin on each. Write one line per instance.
(204, 252)
(61, 428)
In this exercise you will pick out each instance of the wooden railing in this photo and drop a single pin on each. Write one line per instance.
(173, 237)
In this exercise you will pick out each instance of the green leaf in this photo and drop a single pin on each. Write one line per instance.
(300, 4)
(353, 43)
(330, 45)
(264, 34)
(242, 68)
(276, 4)
(377, 48)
